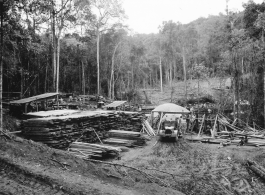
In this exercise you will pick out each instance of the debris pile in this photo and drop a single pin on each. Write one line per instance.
(256, 168)
(226, 132)
(86, 150)
(86, 126)
(125, 138)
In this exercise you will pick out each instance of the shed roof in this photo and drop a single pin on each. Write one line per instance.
(115, 104)
(171, 108)
(33, 98)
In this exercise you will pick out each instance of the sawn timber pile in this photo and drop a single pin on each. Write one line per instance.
(86, 150)
(125, 138)
(59, 132)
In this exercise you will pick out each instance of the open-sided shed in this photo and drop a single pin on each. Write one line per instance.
(23, 103)
(168, 108)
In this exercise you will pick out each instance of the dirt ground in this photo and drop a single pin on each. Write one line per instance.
(157, 168)
(198, 168)
(33, 168)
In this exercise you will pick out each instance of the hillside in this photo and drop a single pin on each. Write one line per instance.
(209, 87)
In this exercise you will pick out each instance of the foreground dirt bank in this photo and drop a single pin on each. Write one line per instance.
(33, 168)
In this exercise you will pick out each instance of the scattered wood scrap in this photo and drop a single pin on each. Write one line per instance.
(259, 170)
(229, 133)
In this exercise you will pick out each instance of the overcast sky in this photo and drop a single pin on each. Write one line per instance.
(144, 16)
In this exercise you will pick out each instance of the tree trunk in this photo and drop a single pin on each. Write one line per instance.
(98, 36)
(58, 60)
(22, 81)
(170, 74)
(1, 68)
(236, 86)
(198, 92)
(262, 36)
(128, 86)
(83, 78)
(184, 71)
(113, 85)
(243, 65)
(259, 99)
(112, 71)
(132, 78)
(54, 50)
(46, 75)
(161, 79)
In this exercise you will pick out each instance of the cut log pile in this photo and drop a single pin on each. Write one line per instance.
(86, 150)
(230, 133)
(125, 138)
(59, 132)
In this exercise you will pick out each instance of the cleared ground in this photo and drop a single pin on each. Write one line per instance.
(33, 168)
(198, 168)
(158, 168)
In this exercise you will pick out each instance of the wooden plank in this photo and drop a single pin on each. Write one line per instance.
(203, 118)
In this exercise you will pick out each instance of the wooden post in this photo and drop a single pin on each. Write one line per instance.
(57, 99)
(26, 105)
(188, 122)
(203, 118)
(218, 125)
(196, 120)
(151, 119)
(213, 132)
(161, 115)
(206, 122)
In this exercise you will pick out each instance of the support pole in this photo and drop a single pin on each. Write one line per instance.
(203, 118)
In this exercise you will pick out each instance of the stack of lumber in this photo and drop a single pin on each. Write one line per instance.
(43, 114)
(57, 133)
(130, 121)
(86, 150)
(125, 138)
(60, 131)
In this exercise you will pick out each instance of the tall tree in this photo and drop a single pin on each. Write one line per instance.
(254, 24)
(1, 63)
(108, 14)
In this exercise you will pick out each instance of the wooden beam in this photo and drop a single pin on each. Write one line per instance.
(213, 132)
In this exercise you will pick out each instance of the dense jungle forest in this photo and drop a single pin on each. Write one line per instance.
(83, 47)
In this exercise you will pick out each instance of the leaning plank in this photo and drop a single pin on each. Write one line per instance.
(203, 118)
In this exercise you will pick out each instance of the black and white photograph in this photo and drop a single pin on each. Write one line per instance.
(132, 97)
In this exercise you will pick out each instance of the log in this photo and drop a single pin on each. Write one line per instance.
(260, 171)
